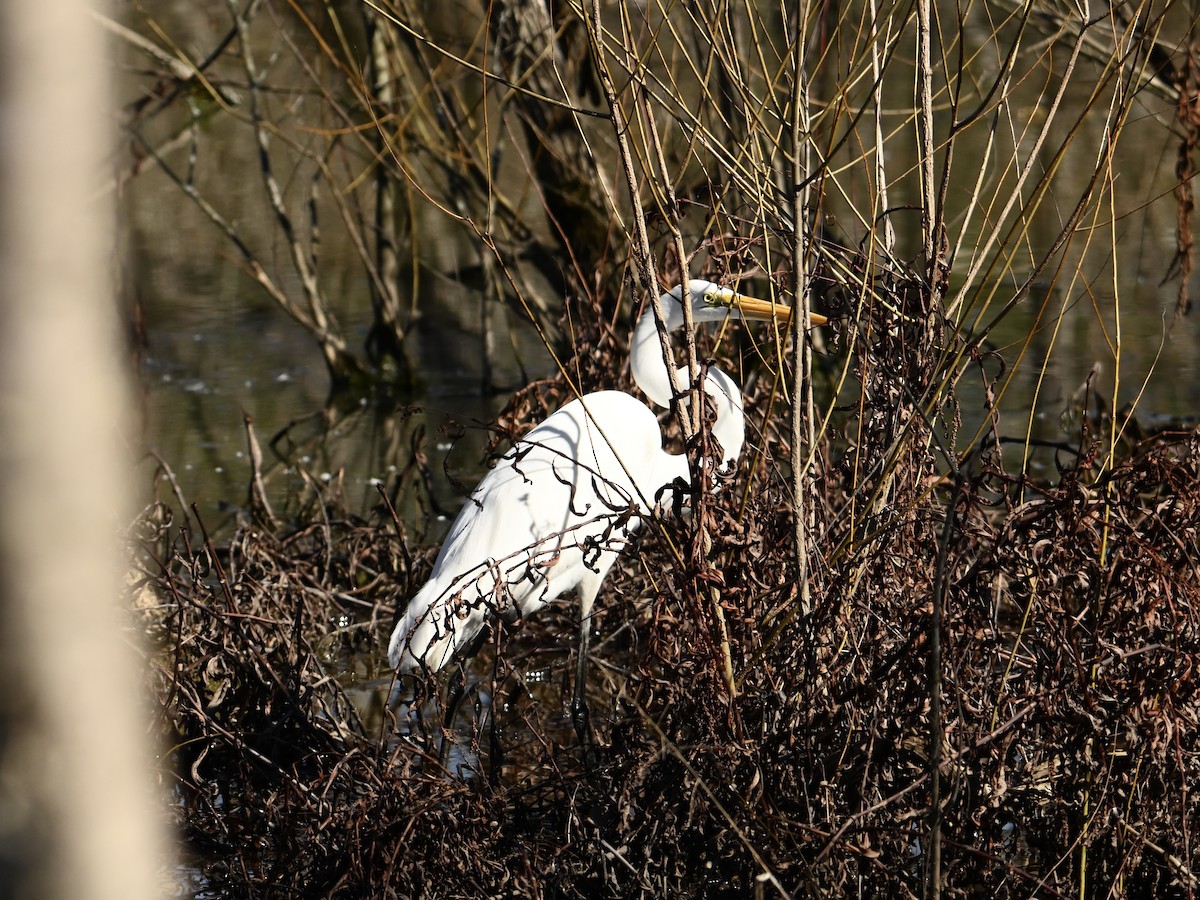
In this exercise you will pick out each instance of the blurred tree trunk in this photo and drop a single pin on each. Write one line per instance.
(77, 816)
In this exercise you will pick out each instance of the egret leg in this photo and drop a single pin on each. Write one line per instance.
(579, 708)
(456, 689)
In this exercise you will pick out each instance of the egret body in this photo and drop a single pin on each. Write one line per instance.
(559, 507)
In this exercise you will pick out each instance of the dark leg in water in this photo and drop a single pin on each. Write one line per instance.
(456, 690)
(580, 716)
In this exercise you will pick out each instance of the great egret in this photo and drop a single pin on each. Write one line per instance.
(559, 507)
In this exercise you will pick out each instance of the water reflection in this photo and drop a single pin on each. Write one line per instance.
(201, 378)
(203, 371)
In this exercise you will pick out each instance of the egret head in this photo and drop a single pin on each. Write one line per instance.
(708, 303)
(712, 302)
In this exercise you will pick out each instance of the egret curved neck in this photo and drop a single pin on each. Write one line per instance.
(650, 373)
(646, 357)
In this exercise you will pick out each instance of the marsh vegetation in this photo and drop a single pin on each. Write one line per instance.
(940, 632)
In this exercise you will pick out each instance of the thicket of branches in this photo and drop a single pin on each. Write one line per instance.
(1068, 695)
(890, 658)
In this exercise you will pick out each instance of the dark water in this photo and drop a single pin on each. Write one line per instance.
(208, 362)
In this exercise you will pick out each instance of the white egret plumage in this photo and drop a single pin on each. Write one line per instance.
(559, 507)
